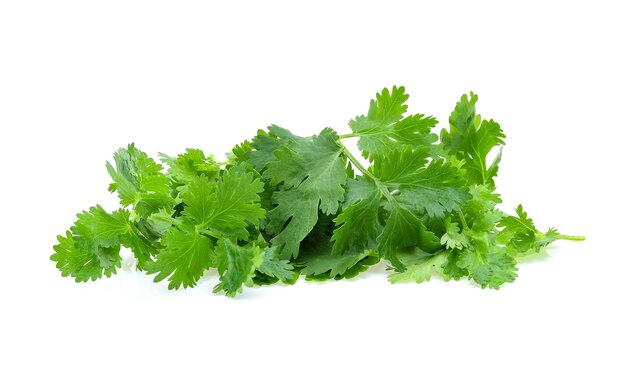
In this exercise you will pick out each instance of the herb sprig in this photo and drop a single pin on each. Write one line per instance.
(283, 205)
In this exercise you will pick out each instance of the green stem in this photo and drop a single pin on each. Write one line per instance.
(571, 237)
(348, 135)
(356, 162)
(463, 222)
(353, 159)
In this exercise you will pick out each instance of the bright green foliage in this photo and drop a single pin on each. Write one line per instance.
(453, 238)
(186, 254)
(84, 263)
(261, 151)
(283, 205)
(470, 139)
(227, 206)
(98, 234)
(422, 268)
(214, 210)
(318, 263)
(359, 224)
(236, 266)
(312, 174)
(403, 229)
(384, 130)
(273, 266)
(186, 167)
(406, 187)
(139, 182)
(520, 232)
(98, 228)
(490, 269)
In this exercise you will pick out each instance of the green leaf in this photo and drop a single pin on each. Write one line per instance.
(403, 229)
(420, 271)
(99, 228)
(481, 211)
(227, 206)
(358, 224)
(384, 130)
(273, 266)
(472, 139)
(453, 238)
(265, 144)
(193, 163)
(400, 166)
(522, 237)
(490, 270)
(185, 256)
(281, 205)
(241, 152)
(481, 139)
(84, 262)
(312, 173)
(291, 220)
(450, 268)
(319, 264)
(96, 236)
(434, 188)
(461, 119)
(96, 231)
(333, 266)
(143, 249)
(159, 222)
(236, 266)
(139, 182)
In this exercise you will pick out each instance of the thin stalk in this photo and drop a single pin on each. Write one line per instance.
(348, 135)
(571, 237)
(356, 162)
(353, 159)
(463, 222)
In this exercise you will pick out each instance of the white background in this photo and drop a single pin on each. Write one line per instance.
(81, 79)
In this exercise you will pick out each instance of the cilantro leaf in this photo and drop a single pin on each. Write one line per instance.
(236, 266)
(471, 139)
(97, 227)
(265, 144)
(186, 254)
(143, 249)
(312, 172)
(434, 188)
(226, 206)
(404, 229)
(481, 211)
(84, 263)
(139, 182)
(522, 236)
(273, 266)
(282, 205)
(490, 270)
(453, 238)
(219, 209)
(384, 129)
(193, 163)
(450, 268)
(359, 223)
(318, 263)
(421, 269)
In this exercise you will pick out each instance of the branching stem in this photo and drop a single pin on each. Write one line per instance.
(355, 161)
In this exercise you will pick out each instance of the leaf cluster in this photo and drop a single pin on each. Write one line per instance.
(284, 206)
